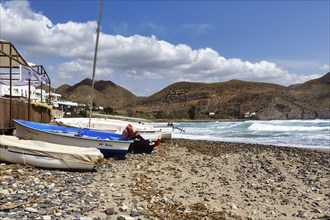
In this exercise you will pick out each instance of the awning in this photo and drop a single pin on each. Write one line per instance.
(9, 53)
(10, 58)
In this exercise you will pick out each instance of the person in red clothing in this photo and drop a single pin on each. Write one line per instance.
(129, 133)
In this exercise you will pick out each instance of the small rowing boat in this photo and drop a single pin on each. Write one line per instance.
(48, 155)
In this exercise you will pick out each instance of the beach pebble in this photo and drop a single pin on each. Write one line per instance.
(184, 179)
(30, 209)
(233, 206)
(124, 217)
(110, 211)
(4, 192)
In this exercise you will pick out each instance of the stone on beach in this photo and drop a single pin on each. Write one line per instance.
(183, 179)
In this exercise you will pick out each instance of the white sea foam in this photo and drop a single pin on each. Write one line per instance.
(274, 127)
(313, 134)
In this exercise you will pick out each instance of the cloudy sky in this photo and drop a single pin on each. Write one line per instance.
(147, 45)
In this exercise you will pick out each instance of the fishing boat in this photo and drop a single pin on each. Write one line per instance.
(144, 142)
(110, 144)
(110, 125)
(142, 124)
(48, 155)
(146, 130)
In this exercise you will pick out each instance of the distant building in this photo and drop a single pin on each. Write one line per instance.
(64, 105)
(249, 115)
(22, 93)
(17, 91)
(23, 81)
(20, 90)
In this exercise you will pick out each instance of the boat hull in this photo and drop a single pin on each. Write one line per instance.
(109, 148)
(166, 133)
(44, 155)
(142, 146)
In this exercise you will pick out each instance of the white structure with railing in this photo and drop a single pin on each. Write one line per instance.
(18, 92)
(23, 79)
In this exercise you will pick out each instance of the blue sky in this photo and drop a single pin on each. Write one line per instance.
(148, 45)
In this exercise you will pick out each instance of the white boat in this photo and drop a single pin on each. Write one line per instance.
(110, 144)
(166, 130)
(110, 125)
(47, 155)
(147, 131)
(142, 124)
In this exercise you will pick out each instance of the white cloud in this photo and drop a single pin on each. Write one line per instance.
(37, 34)
(140, 57)
(325, 68)
(79, 68)
(71, 69)
(19, 24)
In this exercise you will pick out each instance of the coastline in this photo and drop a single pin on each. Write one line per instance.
(182, 179)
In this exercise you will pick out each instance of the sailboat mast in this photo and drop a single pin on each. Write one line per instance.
(94, 63)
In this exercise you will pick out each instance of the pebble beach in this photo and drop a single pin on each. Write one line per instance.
(181, 179)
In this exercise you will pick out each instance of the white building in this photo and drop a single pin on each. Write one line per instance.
(22, 78)
(20, 92)
(249, 115)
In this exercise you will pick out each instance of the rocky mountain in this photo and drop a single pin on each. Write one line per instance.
(106, 93)
(62, 89)
(223, 100)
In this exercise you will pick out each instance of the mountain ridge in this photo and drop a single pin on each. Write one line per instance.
(224, 100)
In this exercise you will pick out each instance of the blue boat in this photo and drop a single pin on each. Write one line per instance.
(108, 143)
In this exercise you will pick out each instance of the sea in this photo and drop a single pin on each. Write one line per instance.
(311, 134)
